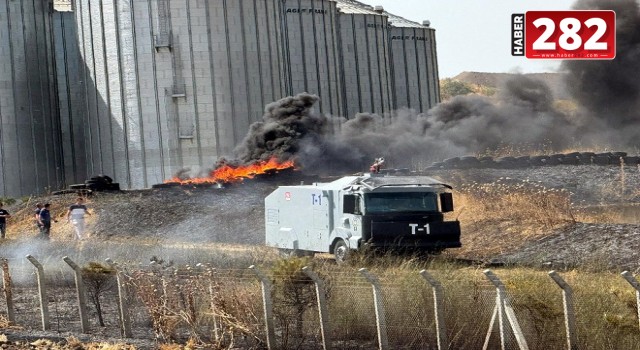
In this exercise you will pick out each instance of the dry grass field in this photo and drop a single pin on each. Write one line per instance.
(582, 220)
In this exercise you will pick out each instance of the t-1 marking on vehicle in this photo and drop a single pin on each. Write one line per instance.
(414, 228)
(316, 199)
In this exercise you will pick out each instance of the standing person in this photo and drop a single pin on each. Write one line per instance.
(44, 219)
(4, 215)
(36, 214)
(75, 214)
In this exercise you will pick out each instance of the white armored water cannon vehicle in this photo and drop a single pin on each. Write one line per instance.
(381, 212)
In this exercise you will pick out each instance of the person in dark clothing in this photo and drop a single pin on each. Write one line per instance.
(36, 215)
(44, 219)
(4, 215)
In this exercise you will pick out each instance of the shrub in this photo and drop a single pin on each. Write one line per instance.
(98, 279)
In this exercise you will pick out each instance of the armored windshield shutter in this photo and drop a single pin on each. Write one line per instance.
(446, 202)
(349, 204)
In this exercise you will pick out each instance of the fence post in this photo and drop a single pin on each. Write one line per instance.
(634, 283)
(82, 295)
(438, 309)
(322, 306)
(487, 338)
(212, 301)
(569, 312)
(42, 292)
(500, 292)
(268, 307)
(123, 300)
(503, 308)
(381, 322)
(8, 290)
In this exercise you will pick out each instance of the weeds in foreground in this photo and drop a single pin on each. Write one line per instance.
(201, 307)
(200, 304)
(293, 295)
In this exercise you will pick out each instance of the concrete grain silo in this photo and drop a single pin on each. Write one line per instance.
(30, 133)
(148, 88)
(414, 64)
(310, 51)
(365, 70)
(71, 102)
(174, 84)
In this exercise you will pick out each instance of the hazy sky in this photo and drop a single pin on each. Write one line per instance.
(474, 35)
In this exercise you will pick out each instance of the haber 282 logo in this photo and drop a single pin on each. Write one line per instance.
(564, 34)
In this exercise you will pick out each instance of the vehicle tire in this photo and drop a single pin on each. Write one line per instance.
(95, 186)
(115, 186)
(341, 251)
(107, 179)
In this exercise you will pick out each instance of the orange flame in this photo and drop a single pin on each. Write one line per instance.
(228, 173)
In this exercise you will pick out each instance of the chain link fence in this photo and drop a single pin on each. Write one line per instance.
(278, 308)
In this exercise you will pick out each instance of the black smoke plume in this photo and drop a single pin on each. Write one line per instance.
(290, 130)
(609, 91)
(522, 114)
(285, 124)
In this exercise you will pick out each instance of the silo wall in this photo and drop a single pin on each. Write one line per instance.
(166, 85)
(310, 51)
(240, 68)
(30, 133)
(365, 63)
(109, 109)
(174, 84)
(70, 93)
(414, 65)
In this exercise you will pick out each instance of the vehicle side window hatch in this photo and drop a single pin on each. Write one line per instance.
(446, 202)
(349, 204)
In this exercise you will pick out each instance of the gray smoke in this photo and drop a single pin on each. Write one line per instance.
(522, 114)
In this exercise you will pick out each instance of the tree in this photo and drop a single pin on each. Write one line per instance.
(450, 88)
(98, 279)
(293, 293)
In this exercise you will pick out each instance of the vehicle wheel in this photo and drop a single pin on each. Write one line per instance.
(341, 251)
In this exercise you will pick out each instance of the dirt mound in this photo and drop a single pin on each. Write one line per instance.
(583, 245)
(555, 81)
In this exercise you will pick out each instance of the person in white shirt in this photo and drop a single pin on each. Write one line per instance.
(75, 215)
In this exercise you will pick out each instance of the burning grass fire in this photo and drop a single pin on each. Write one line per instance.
(227, 173)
